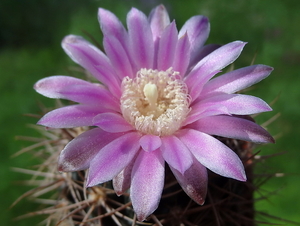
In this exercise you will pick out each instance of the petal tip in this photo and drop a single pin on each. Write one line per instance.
(101, 11)
(90, 183)
(134, 11)
(37, 86)
(268, 68)
(271, 140)
(205, 20)
(104, 15)
(242, 177)
(70, 39)
(63, 167)
(159, 8)
(200, 201)
(238, 44)
(119, 193)
(241, 44)
(266, 138)
(141, 216)
(41, 122)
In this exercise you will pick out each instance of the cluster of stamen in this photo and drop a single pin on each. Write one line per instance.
(155, 102)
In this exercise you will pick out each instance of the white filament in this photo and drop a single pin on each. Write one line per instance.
(155, 102)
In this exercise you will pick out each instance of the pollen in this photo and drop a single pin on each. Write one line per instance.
(155, 102)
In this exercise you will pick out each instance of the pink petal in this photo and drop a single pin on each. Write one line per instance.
(147, 183)
(70, 116)
(93, 60)
(122, 181)
(51, 86)
(182, 55)
(112, 122)
(238, 104)
(111, 26)
(80, 151)
(237, 80)
(118, 57)
(210, 64)
(197, 28)
(193, 181)
(150, 142)
(141, 44)
(113, 158)
(233, 127)
(91, 94)
(203, 52)
(213, 154)
(77, 90)
(159, 20)
(167, 47)
(204, 110)
(176, 154)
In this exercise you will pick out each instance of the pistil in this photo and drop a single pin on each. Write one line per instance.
(151, 94)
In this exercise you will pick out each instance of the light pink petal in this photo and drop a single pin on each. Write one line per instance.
(238, 104)
(213, 154)
(167, 47)
(118, 57)
(93, 60)
(147, 183)
(113, 158)
(197, 28)
(141, 43)
(112, 26)
(150, 142)
(182, 55)
(176, 154)
(203, 52)
(70, 116)
(159, 20)
(80, 151)
(51, 86)
(122, 181)
(112, 122)
(237, 80)
(156, 47)
(193, 181)
(233, 127)
(213, 62)
(241, 104)
(198, 95)
(96, 95)
(205, 110)
(76, 90)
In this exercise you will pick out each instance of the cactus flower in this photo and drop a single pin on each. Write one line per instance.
(155, 101)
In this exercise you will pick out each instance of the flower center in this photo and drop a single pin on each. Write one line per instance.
(155, 102)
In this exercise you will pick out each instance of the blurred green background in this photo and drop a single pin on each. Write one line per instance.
(30, 35)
